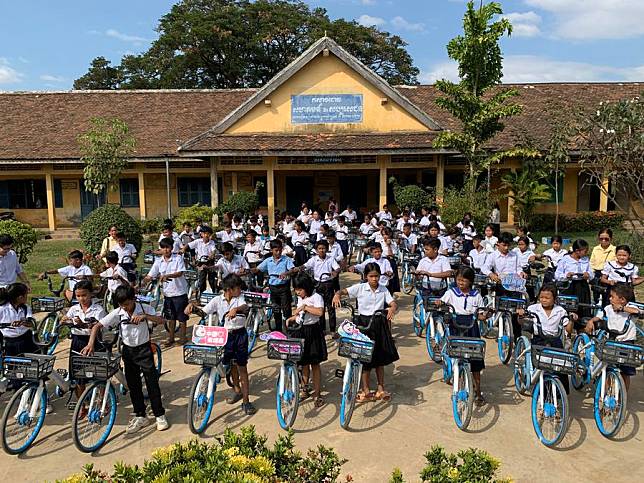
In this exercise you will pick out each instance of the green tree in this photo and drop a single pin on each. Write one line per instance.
(411, 195)
(244, 43)
(476, 100)
(101, 75)
(24, 237)
(104, 148)
(526, 191)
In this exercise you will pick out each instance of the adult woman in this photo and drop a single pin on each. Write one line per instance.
(495, 219)
(109, 242)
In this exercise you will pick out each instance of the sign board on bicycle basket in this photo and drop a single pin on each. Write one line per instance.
(209, 336)
(513, 282)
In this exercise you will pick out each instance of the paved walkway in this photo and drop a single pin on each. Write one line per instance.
(383, 435)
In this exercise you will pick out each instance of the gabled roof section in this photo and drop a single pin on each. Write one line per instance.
(325, 43)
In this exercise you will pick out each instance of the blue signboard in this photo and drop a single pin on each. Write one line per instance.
(326, 108)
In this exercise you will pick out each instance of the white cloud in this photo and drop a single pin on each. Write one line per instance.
(402, 24)
(52, 78)
(8, 75)
(368, 2)
(369, 21)
(524, 24)
(594, 19)
(135, 39)
(534, 68)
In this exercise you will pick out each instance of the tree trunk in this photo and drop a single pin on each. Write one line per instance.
(556, 197)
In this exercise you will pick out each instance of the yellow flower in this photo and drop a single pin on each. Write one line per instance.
(230, 452)
(453, 473)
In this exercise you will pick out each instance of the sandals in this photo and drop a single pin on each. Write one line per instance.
(383, 396)
(479, 401)
(236, 397)
(362, 397)
(319, 402)
(304, 393)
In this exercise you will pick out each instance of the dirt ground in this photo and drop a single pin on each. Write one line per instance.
(383, 435)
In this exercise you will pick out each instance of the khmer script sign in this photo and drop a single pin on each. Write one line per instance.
(326, 108)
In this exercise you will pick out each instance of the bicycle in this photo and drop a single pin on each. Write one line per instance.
(536, 371)
(456, 353)
(505, 308)
(409, 263)
(288, 351)
(47, 329)
(258, 303)
(359, 246)
(601, 357)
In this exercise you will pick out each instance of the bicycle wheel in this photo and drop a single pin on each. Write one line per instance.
(91, 424)
(157, 353)
(435, 344)
(463, 399)
(406, 280)
(506, 342)
(289, 401)
(611, 410)
(581, 346)
(418, 316)
(522, 363)
(19, 429)
(199, 404)
(350, 390)
(550, 421)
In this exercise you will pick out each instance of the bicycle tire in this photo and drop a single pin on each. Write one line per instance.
(522, 363)
(463, 400)
(579, 379)
(94, 416)
(417, 316)
(157, 354)
(435, 344)
(551, 409)
(349, 394)
(406, 281)
(290, 398)
(616, 403)
(505, 343)
(23, 420)
(199, 405)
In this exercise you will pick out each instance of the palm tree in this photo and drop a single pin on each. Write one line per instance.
(526, 191)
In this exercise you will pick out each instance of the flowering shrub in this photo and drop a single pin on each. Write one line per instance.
(582, 221)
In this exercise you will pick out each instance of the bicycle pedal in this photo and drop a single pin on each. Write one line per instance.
(339, 373)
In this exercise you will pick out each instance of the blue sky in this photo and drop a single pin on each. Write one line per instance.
(45, 45)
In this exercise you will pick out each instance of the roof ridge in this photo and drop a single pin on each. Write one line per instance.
(129, 91)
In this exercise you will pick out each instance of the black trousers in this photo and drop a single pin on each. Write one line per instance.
(327, 290)
(136, 361)
(281, 298)
(210, 276)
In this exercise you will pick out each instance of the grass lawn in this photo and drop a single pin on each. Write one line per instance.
(48, 255)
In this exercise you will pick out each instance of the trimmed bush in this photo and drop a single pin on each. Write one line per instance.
(93, 229)
(583, 221)
(458, 201)
(410, 195)
(234, 457)
(191, 213)
(25, 237)
(241, 203)
(152, 225)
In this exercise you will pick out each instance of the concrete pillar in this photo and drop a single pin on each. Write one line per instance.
(440, 177)
(142, 202)
(382, 163)
(214, 189)
(234, 182)
(51, 200)
(603, 196)
(270, 190)
(510, 205)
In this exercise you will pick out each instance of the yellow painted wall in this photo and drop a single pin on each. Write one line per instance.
(326, 75)
(570, 195)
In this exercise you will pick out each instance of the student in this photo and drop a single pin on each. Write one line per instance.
(408, 239)
(341, 234)
(265, 239)
(299, 241)
(424, 220)
(433, 233)
(434, 266)
(617, 313)
(132, 319)
(18, 339)
(10, 268)
(466, 302)
(227, 234)
(324, 229)
(390, 252)
(286, 248)
(115, 275)
(450, 241)
(127, 255)
(385, 267)
(253, 224)
(205, 251)
(384, 214)
(309, 313)
(490, 240)
(620, 271)
(187, 235)
(477, 253)
(169, 269)
(279, 268)
(555, 252)
(602, 253)
(573, 263)
(467, 231)
(230, 262)
(325, 270)
(367, 227)
(525, 255)
(253, 252)
(230, 309)
(76, 270)
(523, 231)
(377, 236)
(349, 215)
(406, 218)
(305, 215)
(315, 224)
(168, 232)
(372, 296)
(199, 224)
(237, 225)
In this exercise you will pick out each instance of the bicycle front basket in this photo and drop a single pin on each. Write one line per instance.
(148, 258)
(360, 243)
(454, 260)
(509, 304)
(469, 348)
(413, 258)
(355, 349)
(47, 304)
(258, 299)
(550, 359)
(613, 352)
(201, 355)
(206, 297)
(480, 279)
(285, 349)
(190, 275)
(29, 367)
(568, 302)
(100, 366)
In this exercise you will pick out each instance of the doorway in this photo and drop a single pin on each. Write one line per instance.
(353, 191)
(298, 189)
(89, 201)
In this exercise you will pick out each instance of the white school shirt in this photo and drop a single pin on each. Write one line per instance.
(384, 265)
(175, 286)
(224, 236)
(377, 237)
(219, 306)
(384, 215)
(370, 300)
(321, 266)
(523, 256)
(437, 265)
(569, 265)
(234, 266)
(203, 249)
(617, 320)
(554, 255)
(8, 313)
(549, 323)
(367, 228)
(314, 226)
(409, 241)
(489, 243)
(478, 257)
(531, 244)
(502, 264)
(94, 311)
(349, 216)
(189, 234)
(424, 221)
(287, 227)
(306, 219)
(468, 231)
(314, 300)
(629, 270)
(126, 254)
(385, 249)
(252, 251)
(9, 268)
(464, 304)
(132, 335)
(176, 247)
(113, 284)
(336, 252)
(301, 237)
(288, 251)
(70, 271)
(447, 243)
(341, 232)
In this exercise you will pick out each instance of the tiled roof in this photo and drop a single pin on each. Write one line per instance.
(46, 125)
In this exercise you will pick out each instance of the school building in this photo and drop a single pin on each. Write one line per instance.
(324, 127)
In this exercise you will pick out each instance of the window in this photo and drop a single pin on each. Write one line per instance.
(20, 194)
(551, 187)
(262, 193)
(58, 193)
(193, 191)
(129, 189)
